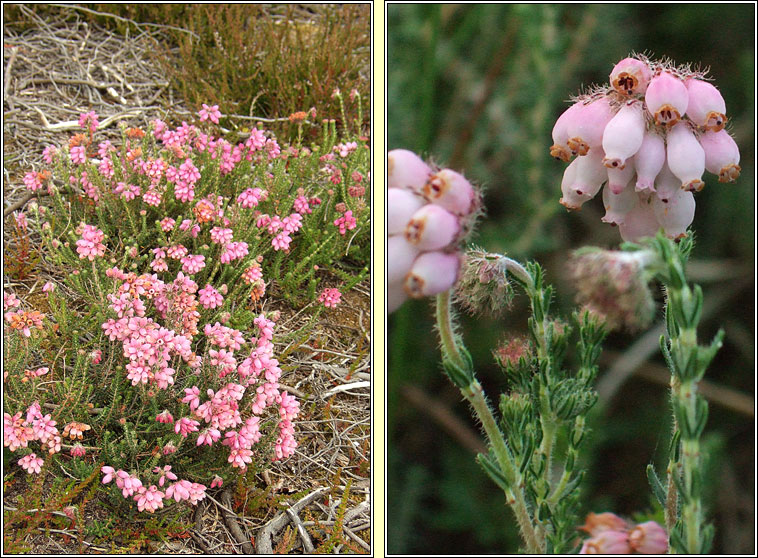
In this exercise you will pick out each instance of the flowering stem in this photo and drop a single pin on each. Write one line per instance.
(462, 374)
(475, 396)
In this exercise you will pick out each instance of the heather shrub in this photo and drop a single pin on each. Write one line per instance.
(160, 355)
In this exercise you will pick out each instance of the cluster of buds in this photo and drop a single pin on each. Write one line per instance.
(648, 136)
(430, 212)
(610, 534)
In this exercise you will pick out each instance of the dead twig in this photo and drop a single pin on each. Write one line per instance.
(263, 542)
(230, 518)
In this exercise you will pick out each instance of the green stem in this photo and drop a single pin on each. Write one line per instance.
(475, 396)
(445, 326)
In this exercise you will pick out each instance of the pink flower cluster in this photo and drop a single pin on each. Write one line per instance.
(610, 534)
(18, 431)
(330, 297)
(151, 498)
(89, 121)
(90, 244)
(429, 212)
(211, 113)
(346, 222)
(648, 136)
(281, 228)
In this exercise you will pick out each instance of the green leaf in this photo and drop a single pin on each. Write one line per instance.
(655, 485)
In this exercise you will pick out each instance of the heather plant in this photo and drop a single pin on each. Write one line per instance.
(534, 446)
(160, 358)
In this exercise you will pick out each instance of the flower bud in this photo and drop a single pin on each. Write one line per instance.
(406, 170)
(630, 77)
(618, 205)
(450, 190)
(722, 156)
(649, 160)
(623, 135)
(640, 222)
(685, 157)
(666, 98)
(649, 538)
(706, 106)
(432, 273)
(432, 228)
(401, 205)
(401, 255)
(585, 132)
(676, 214)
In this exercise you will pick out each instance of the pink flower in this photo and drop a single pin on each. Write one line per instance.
(432, 273)
(48, 287)
(90, 245)
(21, 221)
(109, 473)
(88, 121)
(217, 481)
(210, 297)
(78, 450)
(281, 241)
(191, 397)
(685, 156)
(220, 235)
(186, 425)
(252, 274)
(705, 105)
(432, 228)
(722, 156)
(631, 76)
(31, 463)
(33, 181)
(164, 417)
(211, 113)
(607, 542)
(330, 297)
(666, 98)
(648, 538)
(346, 222)
(167, 224)
(193, 263)
(48, 154)
(623, 135)
(78, 154)
(96, 356)
(406, 170)
(149, 500)
(36, 373)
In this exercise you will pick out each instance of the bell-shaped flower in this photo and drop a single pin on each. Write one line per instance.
(450, 190)
(676, 214)
(623, 135)
(432, 228)
(432, 273)
(722, 156)
(649, 538)
(589, 175)
(666, 98)
(685, 156)
(585, 132)
(560, 149)
(706, 106)
(631, 77)
(666, 184)
(649, 161)
(401, 205)
(401, 255)
(406, 170)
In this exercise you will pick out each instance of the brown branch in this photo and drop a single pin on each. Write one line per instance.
(20, 203)
(230, 518)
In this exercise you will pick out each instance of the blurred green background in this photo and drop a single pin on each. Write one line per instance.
(478, 88)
